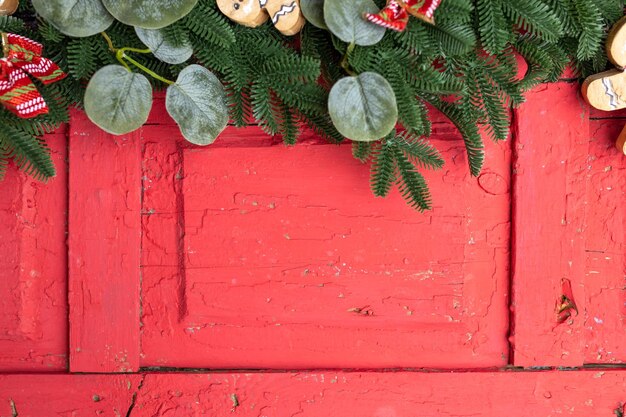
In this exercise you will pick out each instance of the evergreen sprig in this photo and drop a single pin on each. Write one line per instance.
(464, 66)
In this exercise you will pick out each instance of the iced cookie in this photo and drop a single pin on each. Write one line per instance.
(286, 15)
(245, 12)
(606, 91)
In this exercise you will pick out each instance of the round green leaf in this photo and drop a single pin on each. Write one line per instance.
(162, 48)
(345, 20)
(313, 11)
(149, 14)
(76, 18)
(197, 102)
(118, 100)
(363, 108)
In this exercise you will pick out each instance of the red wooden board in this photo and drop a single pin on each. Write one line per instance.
(247, 254)
(569, 199)
(33, 270)
(605, 246)
(597, 393)
(104, 249)
(265, 256)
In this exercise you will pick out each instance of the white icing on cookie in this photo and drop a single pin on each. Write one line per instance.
(284, 10)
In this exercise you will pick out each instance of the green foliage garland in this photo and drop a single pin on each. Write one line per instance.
(465, 66)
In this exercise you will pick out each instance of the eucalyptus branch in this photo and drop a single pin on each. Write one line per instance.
(146, 70)
(344, 60)
(122, 57)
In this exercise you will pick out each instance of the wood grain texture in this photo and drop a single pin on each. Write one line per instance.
(67, 395)
(104, 248)
(605, 247)
(548, 245)
(569, 232)
(33, 270)
(264, 256)
(325, 393)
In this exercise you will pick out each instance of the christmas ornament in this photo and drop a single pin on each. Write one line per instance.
(8, 7)
(607, 90)
(285, 14)
(17, 92)
(395, 15)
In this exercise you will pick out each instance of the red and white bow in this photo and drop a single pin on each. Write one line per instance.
(395, 15)
(18, 93)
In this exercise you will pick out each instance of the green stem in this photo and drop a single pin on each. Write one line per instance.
(139, 51)
(147, 70)
(344, 61)
(120, 55)
(109, 42)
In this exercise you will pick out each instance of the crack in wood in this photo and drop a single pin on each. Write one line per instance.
(14, 412)
(133, 400)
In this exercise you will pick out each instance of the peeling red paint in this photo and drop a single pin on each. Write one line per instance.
(247, 254)
(104, 249)
(318, 393)
(256, 257)
(569, 224)
(33, 307)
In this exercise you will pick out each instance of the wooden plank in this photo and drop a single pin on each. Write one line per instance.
(592, 393)
(261, 258)
(33, 271)
(605, 246)
(548, 224)
(104, 248)
(67, 395)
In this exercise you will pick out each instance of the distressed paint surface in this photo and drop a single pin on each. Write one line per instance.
(551, 149)
(324, 393)
(104, 249)
(67, 395)
(569, 199)
(257, 255)
(185, 227)
(605, 246)
(33, 270)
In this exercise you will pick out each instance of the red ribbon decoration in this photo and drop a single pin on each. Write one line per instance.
(395, 15)
(22, 56)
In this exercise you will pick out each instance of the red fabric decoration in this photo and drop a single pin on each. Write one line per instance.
(395, 15)
(17, 92)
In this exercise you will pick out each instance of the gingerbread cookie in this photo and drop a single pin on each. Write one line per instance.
(616, 43)
(285, 14)
(245, 12)
(8, 7)
(606, 91)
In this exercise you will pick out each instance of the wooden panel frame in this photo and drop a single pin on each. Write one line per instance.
(479, 342)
